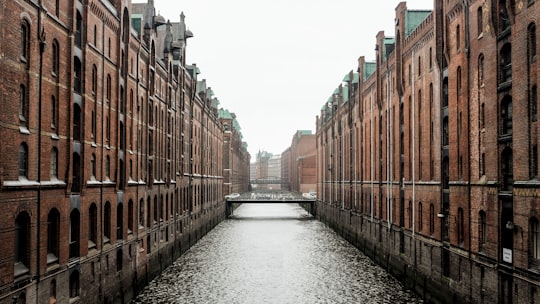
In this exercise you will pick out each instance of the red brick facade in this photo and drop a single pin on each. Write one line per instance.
(299, 162)
(112, 151)
(431, 155)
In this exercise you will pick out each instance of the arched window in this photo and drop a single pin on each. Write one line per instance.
(74, 233)
(507, 170)
(53, 236)
(107, 167)
(77, 76)
(445, 92)
(446, 131)
(410, 215)
(93, 166)
(506, 115)
(54, 112)
(155, 209)
(109, 88)
(481, 70)
(120, 221)
(23, 106)
(141, 213)
(420, 218)
(506, 63)
(431, 219)
(77, 123)
(25, 41)
(94, 79)
(148, 212)
(459, 80)
(76, 178)
(446, 173)
(107, 223)
(23, 161)
(55, 60)
(504, 19)
(54, 164)
(22, 244)
(531, 42)
(460, 227)
(130, 217)
(74, 284)
(78, 30)
(458, 38)
(92, 226)
(533, 103)
(534, 240)
(479, 20)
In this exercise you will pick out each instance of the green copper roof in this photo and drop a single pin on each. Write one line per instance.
(224, 113)
(136, 20)
(413, 20)
(215, 102)
(369, 69)
(345, 93)
(356, 78)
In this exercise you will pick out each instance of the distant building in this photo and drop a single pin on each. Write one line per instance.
(299, 162)
(267, 171)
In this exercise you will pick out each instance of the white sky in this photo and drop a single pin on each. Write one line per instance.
(275, 62)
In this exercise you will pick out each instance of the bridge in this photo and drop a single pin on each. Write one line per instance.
(268, 181)
(271, 196)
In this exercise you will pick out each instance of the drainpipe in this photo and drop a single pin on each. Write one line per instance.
(468, 54)
(372, 152)
(388, 152)
(42, 45)
(413, 156)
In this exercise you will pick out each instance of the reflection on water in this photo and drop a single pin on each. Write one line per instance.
(274, 253)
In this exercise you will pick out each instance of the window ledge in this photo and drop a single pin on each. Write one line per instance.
(23, 130)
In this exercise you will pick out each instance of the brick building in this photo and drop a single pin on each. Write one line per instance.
(420, 153)
(112, 150)
(299, 162)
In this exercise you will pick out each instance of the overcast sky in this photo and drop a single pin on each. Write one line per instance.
(275, 62)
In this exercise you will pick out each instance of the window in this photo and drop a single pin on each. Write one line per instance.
(507, 170)
(460, 227)
(23, 160)
(430, 58)
(76, 176)
(458, 38)
(23, 106)
(504, 20)
(54, 164)
(78, 30)
(482, 233)
(130, 217)
(480, 21)
(506, 115)
(109, 88)
(107, 223)
(431, 219)
(54, 112)
(534, 240)
(74, 233)
(483, 164)
(92, 226)
(119, 259)
(533, 103)
(77, 76)
(107, 167)
(25, 41)
(94, 79)
(458, 76)
(410, 215)
(420, 218)
(52, 289)
(481, 70)
(531, 42)
(55, 60)
(533, 167)
(93, 166)
(119, 221)
(446, 131)
(77, 123)
(74, 284)
(141, 213)
(482, 115)
(506, 63)
(22, 244)
(53, 236)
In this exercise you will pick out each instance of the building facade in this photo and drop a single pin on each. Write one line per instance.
(299, 162)
(420, 162)
(112, 150)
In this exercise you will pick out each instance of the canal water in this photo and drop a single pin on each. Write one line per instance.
(274, 253)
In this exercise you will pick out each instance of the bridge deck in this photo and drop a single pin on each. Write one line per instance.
(270, 196)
